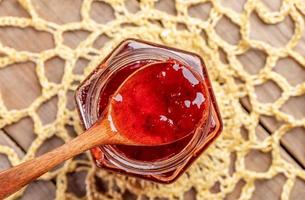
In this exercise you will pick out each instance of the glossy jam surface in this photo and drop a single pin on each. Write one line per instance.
(163, 163)
(140, 153)
(159, 103)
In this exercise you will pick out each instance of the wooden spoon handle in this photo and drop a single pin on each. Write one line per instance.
(15, 178)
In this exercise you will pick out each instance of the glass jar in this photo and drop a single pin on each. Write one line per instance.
(164, 163)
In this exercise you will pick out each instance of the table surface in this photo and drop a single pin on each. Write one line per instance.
(19, 86)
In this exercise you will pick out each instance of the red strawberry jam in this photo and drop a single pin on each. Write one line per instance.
(160, 103)
(186, 98)
(170, 99)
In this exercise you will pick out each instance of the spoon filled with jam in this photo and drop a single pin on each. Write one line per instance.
(157, 104)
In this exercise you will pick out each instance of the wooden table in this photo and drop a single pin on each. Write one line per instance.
(19, 86)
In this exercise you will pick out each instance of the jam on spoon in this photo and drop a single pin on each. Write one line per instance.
(159, 103)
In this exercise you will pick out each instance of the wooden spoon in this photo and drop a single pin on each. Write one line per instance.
(13, 179)
(101, 133)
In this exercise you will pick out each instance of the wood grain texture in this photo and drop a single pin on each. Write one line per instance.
(271, 189)
(260, 162)
(37, 190)
(254, 60)
(14, 178)
(21, 78)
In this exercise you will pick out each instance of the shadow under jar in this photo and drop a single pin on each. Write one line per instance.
(164, 163)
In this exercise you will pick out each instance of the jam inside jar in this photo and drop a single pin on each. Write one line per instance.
(163, 163)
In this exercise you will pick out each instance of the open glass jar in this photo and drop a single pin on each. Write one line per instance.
(164, 163)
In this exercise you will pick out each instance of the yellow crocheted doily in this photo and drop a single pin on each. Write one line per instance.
(149, 23)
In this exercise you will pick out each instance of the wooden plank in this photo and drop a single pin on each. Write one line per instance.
(36, 190)
(271, 189)
(293, 140)
(19, 84)
(258, 161)
(52, 10)
(253, 60)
